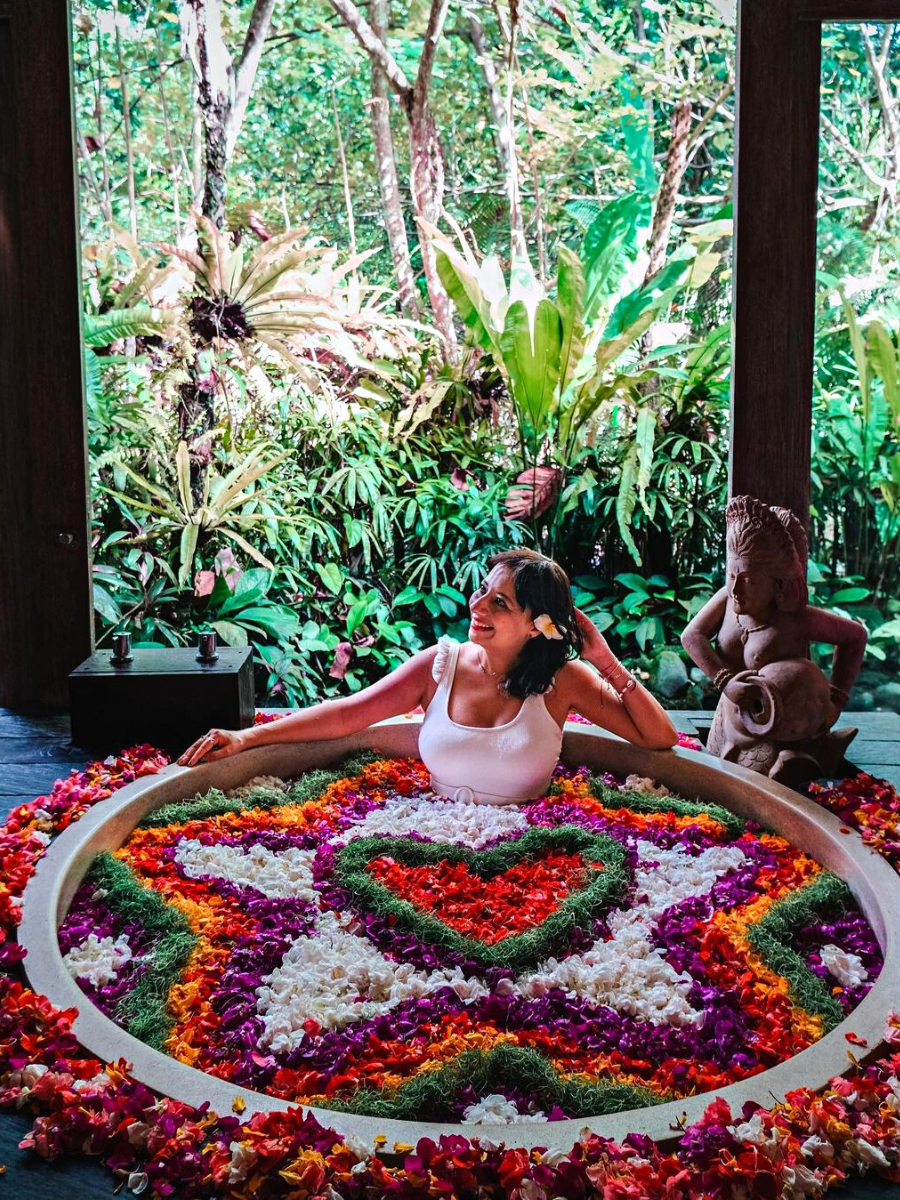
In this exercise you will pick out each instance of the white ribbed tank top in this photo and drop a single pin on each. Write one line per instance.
(506, 764)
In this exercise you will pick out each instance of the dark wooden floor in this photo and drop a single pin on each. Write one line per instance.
(34, 752)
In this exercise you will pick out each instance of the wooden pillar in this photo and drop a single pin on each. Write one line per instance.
(45, 594)
(776, 169)
(776, 193)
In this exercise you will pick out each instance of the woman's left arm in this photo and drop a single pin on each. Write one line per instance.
(611, 697)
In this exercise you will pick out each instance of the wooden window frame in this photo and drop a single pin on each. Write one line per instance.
(45, 577)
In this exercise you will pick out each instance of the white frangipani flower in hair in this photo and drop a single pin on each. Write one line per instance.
(547, 628)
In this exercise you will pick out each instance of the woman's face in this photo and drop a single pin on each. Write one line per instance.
(497, 619)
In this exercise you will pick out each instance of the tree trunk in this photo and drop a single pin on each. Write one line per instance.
(676, 163)
(503, 138)
(427, 176)
(245, 72)
(426, 158)
(129, 144)
(223, 89)
(386, 168)
(222, 95)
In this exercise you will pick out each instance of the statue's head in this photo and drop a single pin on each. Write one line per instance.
(766, 553)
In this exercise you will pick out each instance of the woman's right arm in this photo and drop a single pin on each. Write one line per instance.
(400, 692)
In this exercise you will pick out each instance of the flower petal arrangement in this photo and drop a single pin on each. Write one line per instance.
(349, 940)
(224, 905)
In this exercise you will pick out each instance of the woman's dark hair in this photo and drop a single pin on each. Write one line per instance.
(541, 586)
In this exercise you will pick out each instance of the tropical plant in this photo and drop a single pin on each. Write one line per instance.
(228, 509)
(558, 354)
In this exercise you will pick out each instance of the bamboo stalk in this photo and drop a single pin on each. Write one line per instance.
(98, 112)
(348, 198)
(129, 147)
(174, 168)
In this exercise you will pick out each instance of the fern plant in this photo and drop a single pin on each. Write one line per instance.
(228, 509)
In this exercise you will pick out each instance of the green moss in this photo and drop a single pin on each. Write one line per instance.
(144, 1010)
(215, 803)
(646, 802)
(431, 1096)
(827, 896)
(602, 888)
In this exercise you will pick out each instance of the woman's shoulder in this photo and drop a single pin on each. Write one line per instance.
(441, 656)
(572, 676)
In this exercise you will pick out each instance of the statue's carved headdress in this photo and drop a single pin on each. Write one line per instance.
(772, 540)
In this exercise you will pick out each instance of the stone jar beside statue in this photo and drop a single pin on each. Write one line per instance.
(777, 709)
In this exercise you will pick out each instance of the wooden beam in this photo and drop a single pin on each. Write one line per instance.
(775, 189)
(45, 595)
(848, 10)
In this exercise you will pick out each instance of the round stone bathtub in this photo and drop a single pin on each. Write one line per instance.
(875, 887)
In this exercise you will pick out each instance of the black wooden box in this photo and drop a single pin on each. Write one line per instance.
(165, 697)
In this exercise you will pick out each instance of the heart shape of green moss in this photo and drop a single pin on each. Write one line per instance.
(601, 888)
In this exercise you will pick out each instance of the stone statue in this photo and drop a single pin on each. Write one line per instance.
(777, 709)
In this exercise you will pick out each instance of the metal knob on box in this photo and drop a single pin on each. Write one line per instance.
(121, 654)
(207, 650)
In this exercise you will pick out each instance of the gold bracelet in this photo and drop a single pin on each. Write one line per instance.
(630, 682)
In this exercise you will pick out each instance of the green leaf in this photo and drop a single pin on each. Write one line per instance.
(409, 595)
(257, 580)
(102, 329)
(650, 632)
(330, 574)
(532, 359)
(279, 621)
(883, 358)
(187, 550)
(651, 296)
(105, 605)
(611, 246)
(357, 614)
(890, 629)
(570, 289)
(637, 134)
(626, 499)
(452, 592)
(644, 435)
(231, 634)
(240, 600)
(859, 354)
(634, 583)
(464, 290)
(602, 620)
(850, 595)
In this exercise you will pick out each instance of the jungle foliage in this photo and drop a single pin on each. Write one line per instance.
(317, 404)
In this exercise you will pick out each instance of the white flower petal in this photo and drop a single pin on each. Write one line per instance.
(98, 959)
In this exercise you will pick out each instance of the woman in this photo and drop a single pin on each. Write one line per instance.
(494, 705)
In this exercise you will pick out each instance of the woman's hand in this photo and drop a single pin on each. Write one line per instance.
(218, 743)
(596, 648)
